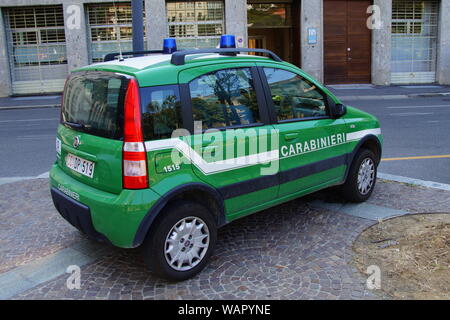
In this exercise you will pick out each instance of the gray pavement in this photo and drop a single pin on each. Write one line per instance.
(298, 250)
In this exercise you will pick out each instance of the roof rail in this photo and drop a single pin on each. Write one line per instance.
(178, 57)
(113, 55)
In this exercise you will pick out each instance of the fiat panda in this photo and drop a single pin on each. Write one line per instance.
(162, 148)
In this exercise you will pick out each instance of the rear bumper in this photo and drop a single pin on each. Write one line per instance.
(77, 214)
(100, 214)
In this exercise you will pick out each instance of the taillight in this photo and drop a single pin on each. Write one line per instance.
(134, 155)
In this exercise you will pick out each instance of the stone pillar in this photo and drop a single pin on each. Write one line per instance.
(5, 73)
(155, 23)
(312, 54)
(443, 60)
(76, 34)
(236, 20)
(381, 45)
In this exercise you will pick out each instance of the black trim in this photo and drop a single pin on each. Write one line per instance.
(186, 108)
(312, 168)
(260, 96)
(76, 213)
(156, 209)
(178, 58)
(249, 186)
(264, 182)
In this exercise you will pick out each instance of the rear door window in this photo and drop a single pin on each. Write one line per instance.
(93, 103)
(161, 111)
(225, 98)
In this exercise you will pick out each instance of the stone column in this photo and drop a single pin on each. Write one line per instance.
(381, 45)
(236, 20)
(312, 54)
(155, 23)
(5, 72)
(76, 34)
(443, 60)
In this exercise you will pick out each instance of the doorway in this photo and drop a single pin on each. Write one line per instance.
(273, 25)
(347, 42)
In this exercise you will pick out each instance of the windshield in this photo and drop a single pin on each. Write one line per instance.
(93, 103)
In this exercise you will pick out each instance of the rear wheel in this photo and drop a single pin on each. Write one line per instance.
(361, 177)
(180, 243)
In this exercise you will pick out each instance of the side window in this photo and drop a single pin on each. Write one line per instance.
(294, 97)
(161, 111)
(225, 98)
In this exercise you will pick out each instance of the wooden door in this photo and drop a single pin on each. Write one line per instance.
(347, 41)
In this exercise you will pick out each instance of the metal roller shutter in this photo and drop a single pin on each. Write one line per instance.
(414, 41)
(36, 48)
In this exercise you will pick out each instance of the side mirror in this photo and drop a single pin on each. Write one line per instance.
(337, 110)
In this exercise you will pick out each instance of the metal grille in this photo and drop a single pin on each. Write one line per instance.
(414, 41)
(37, 48)
(195, 24)
(110, 29)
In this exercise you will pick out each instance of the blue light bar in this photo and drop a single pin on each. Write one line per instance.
(170, 45)
(227, 41)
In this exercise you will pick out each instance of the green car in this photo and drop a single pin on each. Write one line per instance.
(163, 149)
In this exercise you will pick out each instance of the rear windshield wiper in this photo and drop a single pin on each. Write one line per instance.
(76, 125)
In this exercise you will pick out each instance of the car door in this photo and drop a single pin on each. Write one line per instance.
(312, 144)
(231, 148)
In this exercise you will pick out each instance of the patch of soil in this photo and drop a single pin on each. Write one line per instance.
(413, 254)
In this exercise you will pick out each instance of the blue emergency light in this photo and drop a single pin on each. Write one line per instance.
(170, 45)
(227, 41)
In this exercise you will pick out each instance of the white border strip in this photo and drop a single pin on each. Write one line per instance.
(413, 181)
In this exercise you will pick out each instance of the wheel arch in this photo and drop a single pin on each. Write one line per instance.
(198, 192)
(370, 142)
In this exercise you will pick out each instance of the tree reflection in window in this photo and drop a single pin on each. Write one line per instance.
(225, 98)
(293, 96)
(161, 111)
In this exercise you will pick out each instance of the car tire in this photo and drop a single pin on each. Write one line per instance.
(180, 243)
(361, 177)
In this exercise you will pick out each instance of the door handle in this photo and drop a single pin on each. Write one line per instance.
(291, 136)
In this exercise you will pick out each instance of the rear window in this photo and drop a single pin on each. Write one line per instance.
(161, 111)
(93, 103)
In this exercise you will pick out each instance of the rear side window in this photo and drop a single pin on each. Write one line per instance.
(293, 96)
(161, 111)
(225, 98)
(93, 103)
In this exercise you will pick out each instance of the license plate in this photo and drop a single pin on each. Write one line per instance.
(80, 165)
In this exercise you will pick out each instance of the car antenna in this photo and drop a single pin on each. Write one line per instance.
(116, 22)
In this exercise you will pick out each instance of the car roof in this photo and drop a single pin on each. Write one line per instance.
(157, 69)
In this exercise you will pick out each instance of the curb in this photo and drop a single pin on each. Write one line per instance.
(395, 96)
(31, 107)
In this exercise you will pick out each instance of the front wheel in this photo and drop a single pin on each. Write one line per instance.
(361, 177)
(180, 243)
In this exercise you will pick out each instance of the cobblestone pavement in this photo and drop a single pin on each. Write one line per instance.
(292, 251)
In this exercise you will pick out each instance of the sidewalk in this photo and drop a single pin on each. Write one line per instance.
(346, 92)
(368, 91)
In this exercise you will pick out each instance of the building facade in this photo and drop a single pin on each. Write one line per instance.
(337, 41)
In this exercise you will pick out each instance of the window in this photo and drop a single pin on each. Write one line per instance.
(95, 100)
(294, 97)
(37, 36)
(161, 113)
(225, 98)
(266, 15)
(195, 24)
(110, 28)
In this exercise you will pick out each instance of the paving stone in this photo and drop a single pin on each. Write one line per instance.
(292, 251)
